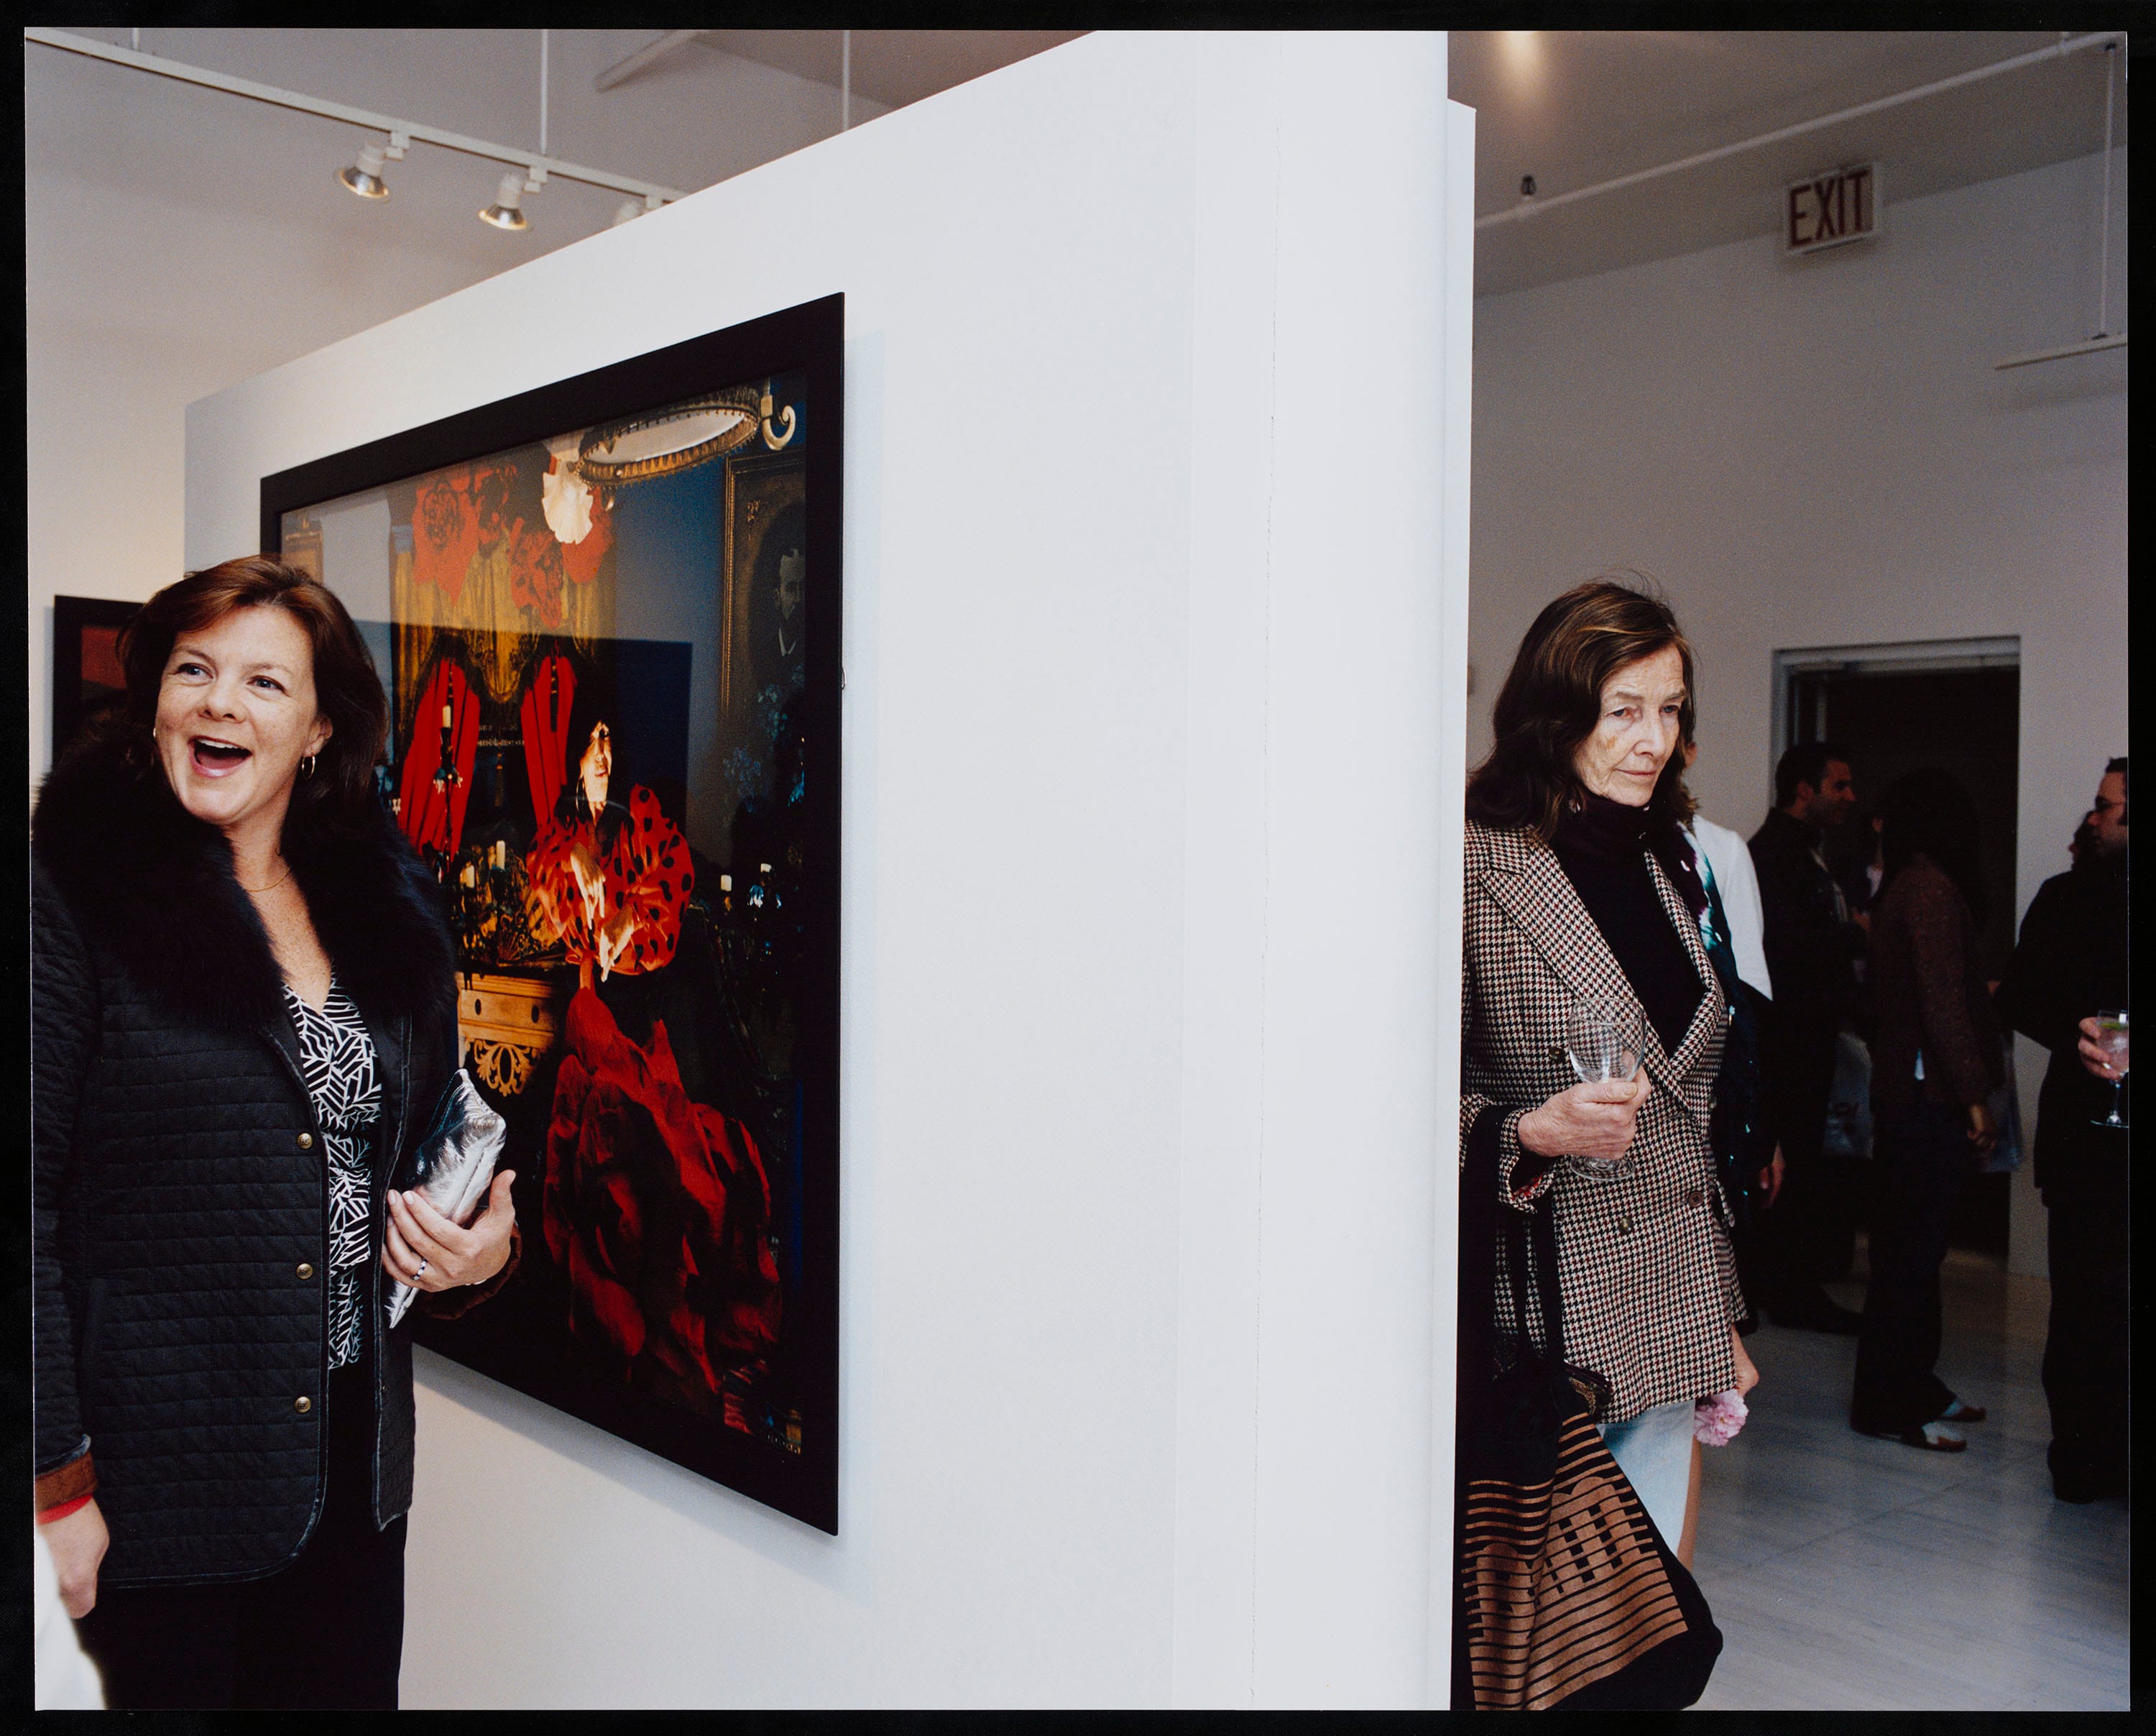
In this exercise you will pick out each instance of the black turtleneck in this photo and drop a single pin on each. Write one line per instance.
(1602, 846)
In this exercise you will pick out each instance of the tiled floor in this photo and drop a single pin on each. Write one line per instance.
(1848, 1573)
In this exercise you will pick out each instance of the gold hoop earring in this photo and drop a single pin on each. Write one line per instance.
(307, 767)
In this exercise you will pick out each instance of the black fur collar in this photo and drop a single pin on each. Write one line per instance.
(156, 885)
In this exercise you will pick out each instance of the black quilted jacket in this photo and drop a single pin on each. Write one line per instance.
(179, 1200)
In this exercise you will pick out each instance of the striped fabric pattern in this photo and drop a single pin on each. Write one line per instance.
(1564, 1584)
(1646, 1272)
(336, 1058)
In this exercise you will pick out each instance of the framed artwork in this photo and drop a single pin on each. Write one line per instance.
(610, 613)
(87, 678)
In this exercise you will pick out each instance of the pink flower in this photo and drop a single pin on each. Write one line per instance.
(1715, 1421)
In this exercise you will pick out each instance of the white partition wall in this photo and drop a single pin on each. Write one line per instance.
(1155, 465)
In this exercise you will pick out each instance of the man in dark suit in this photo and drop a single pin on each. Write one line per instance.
(1813, 942)
(2070, 964)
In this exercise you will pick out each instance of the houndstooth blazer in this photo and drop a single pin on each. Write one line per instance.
(1646, 1274)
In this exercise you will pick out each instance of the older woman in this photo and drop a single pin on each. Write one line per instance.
(1581, 891)
(243, 1016)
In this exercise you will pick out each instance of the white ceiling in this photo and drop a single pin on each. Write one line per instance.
(893, 67)
(1570, 107)
(1573, 108)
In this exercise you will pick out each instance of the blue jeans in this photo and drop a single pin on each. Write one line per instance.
(1653, 1450)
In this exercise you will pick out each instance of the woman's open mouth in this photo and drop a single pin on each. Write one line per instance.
(214, 758)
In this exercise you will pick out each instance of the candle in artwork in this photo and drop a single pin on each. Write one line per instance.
(445, 714)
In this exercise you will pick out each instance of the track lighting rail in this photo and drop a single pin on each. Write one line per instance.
(537, 166)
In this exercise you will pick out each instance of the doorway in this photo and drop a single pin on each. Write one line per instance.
(1953, 704)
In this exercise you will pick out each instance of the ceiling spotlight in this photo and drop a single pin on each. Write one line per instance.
(505, 213)
(364, 177)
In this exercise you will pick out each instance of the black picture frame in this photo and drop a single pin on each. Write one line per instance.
(807, 339)
(73, 618)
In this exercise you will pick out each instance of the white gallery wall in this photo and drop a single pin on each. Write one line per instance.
(1146, 1337)
(1819, 451)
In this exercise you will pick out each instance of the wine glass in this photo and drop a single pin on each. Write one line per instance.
(1602, 1042)
(2111, 1038)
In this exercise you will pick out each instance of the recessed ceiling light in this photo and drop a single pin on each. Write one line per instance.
(1522, 50)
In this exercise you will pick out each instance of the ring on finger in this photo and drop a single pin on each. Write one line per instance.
(422, 1268)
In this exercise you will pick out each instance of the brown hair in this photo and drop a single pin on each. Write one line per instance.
(1552, 698)
(347, 690)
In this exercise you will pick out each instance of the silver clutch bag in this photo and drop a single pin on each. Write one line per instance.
(452, 1164)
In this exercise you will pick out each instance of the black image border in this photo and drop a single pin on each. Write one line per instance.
(71, 615)
(810, 339)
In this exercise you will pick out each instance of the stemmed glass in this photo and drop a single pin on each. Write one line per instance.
(2111, 1038)
(1602, 1042)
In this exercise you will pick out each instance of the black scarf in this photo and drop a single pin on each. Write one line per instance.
(1602, 846)
(1597, 826)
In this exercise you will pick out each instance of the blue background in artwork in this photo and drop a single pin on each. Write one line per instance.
(670, 541)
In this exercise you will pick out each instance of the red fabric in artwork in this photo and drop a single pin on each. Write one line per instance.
(658, 1210)
(545, 716)
(431, 816)
(647, 872)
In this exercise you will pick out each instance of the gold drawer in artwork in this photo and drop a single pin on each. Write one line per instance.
(507, 1023)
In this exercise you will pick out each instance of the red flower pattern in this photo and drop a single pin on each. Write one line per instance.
(444, 533)
(490, 489)
(534, 572)
(456, 514)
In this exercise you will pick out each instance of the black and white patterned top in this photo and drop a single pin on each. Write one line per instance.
(337, 1057)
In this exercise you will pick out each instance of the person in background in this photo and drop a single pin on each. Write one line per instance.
(2070, 962)
(1938, 1059)
(2082, 842)
(1737, 1127)
(1860, 871)
(1729, 862)
(1812, 942)
(1734, 921)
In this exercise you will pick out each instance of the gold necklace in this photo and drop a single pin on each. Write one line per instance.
(273, 885)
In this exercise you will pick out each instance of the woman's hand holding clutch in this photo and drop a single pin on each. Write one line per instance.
(424, 1249)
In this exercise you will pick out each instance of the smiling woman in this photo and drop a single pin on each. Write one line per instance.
(241, 983)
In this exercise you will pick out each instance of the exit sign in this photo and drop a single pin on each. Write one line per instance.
(1828, 210)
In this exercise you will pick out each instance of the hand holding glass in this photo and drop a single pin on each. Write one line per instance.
(2111, 1037)
(1604, 1046)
